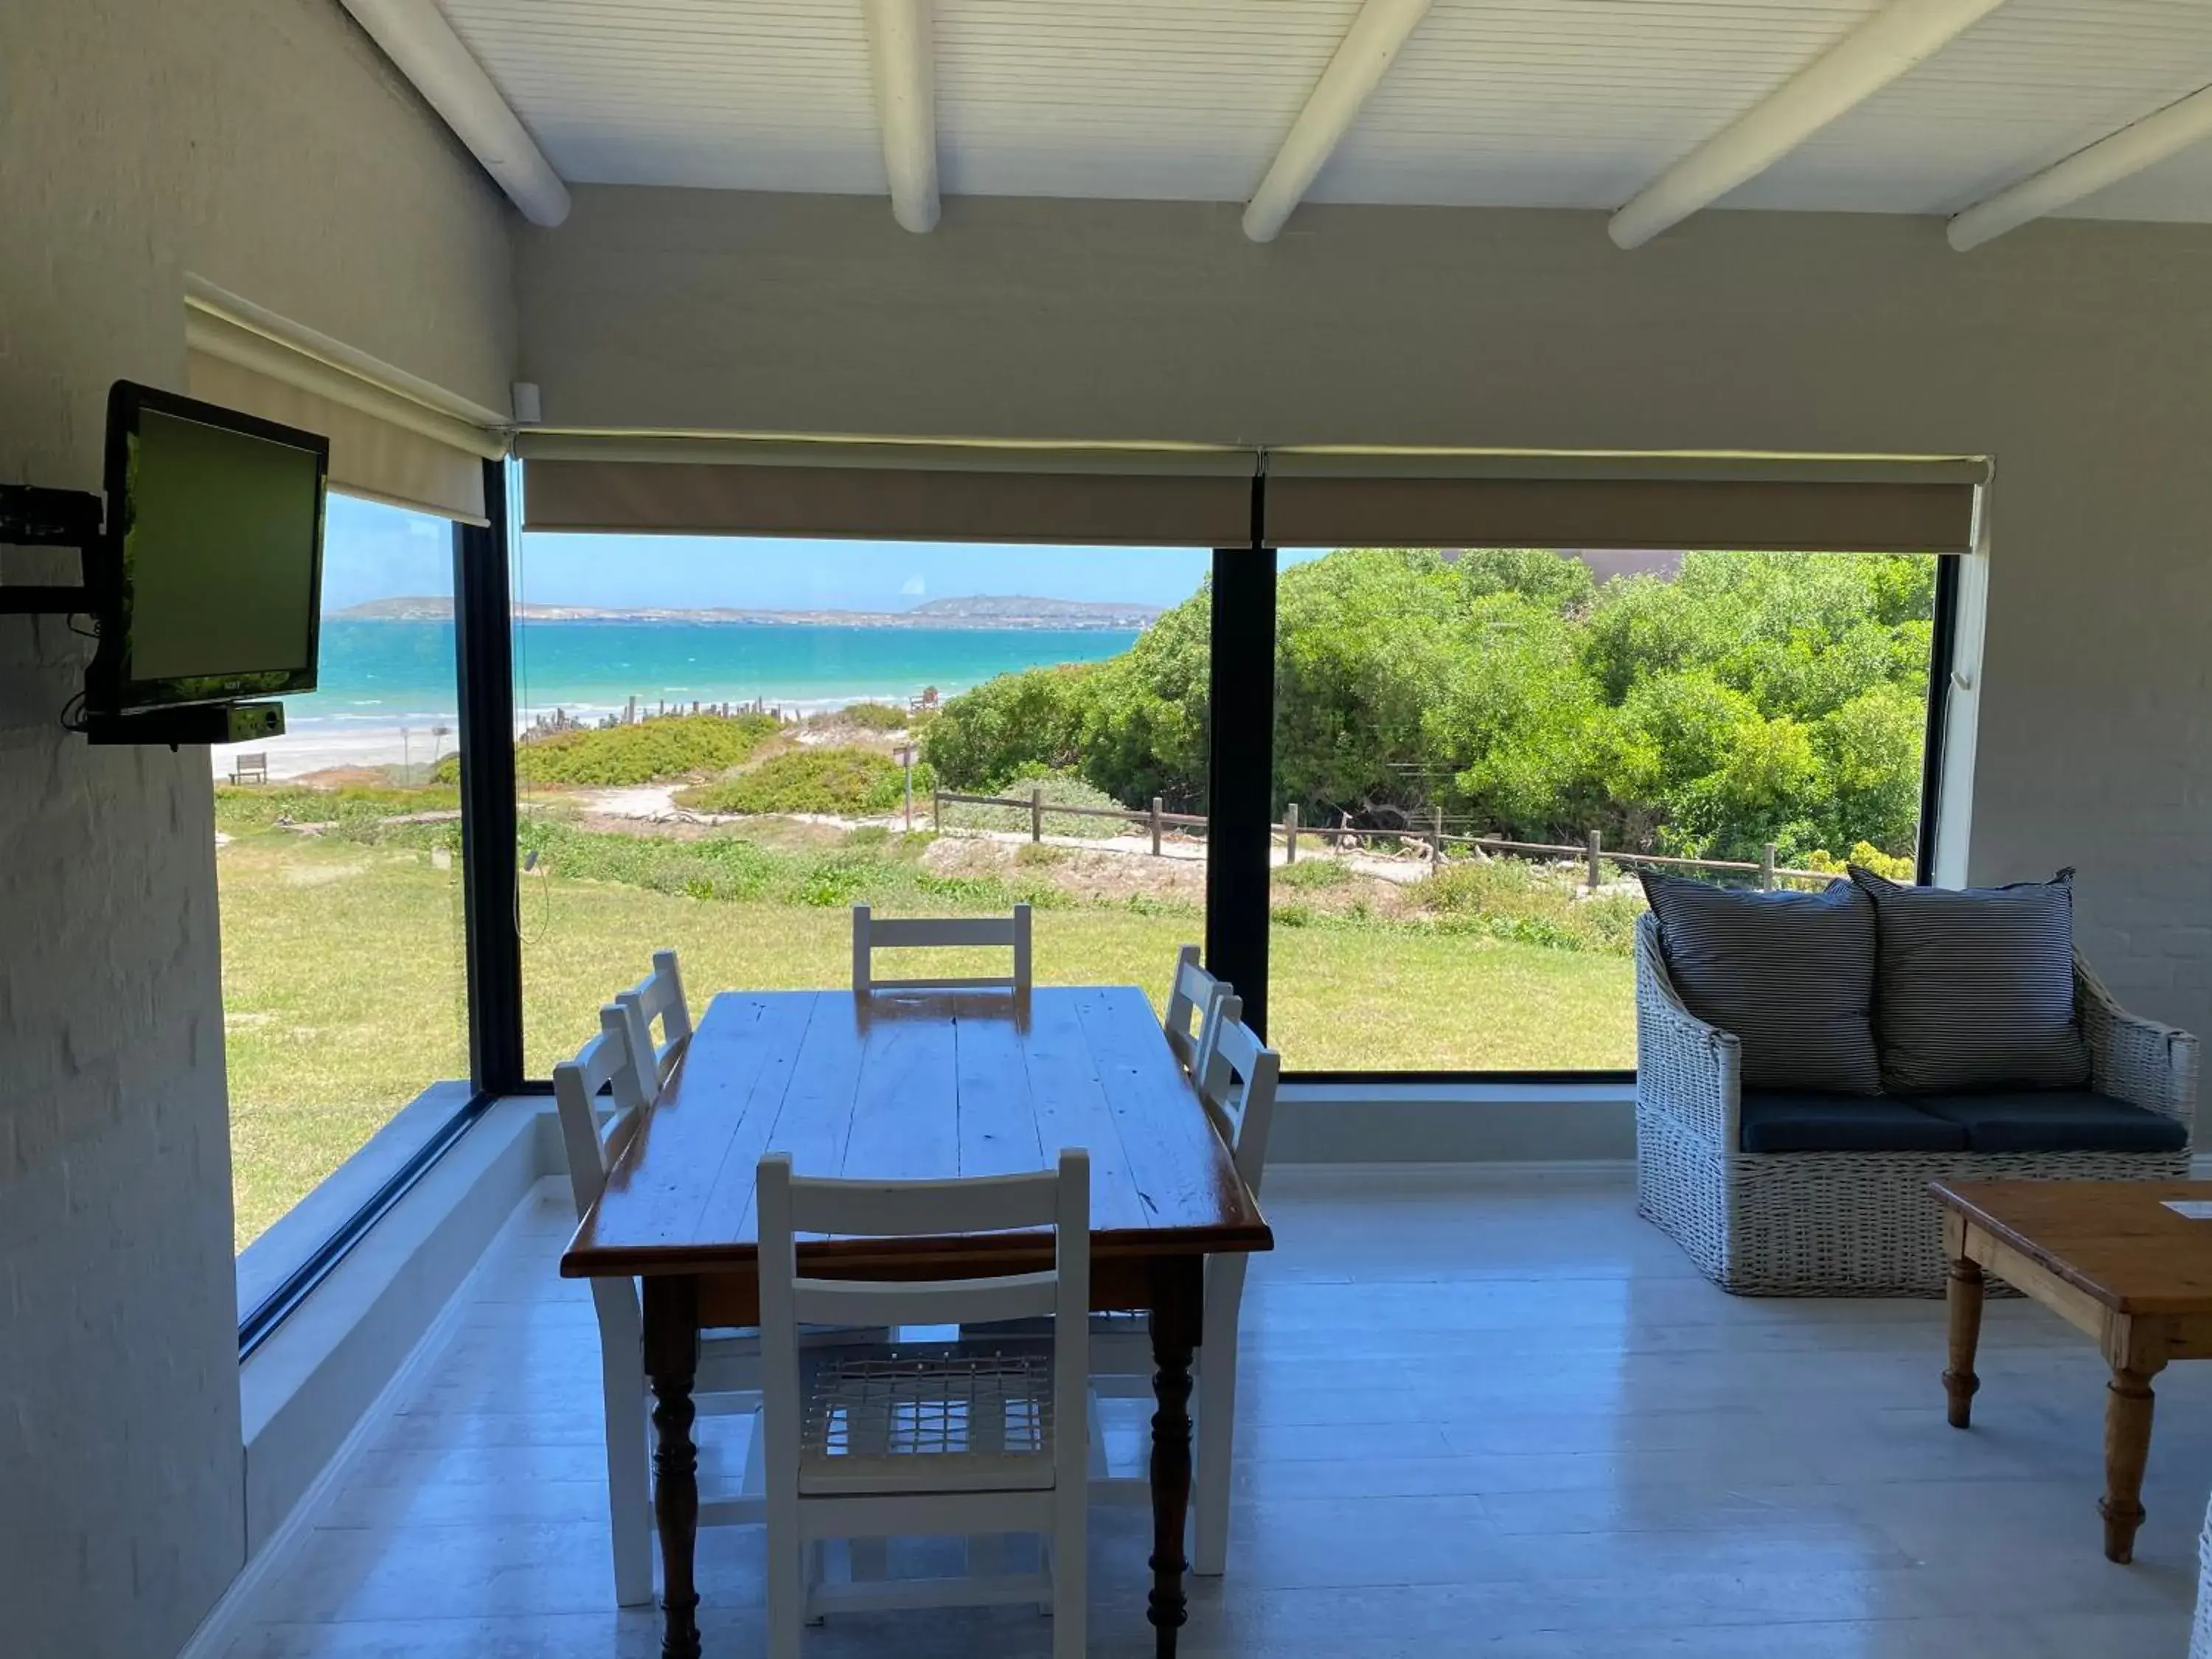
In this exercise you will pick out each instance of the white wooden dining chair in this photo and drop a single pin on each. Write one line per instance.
(973, 1443)
(729, 1379)
(1192, 994)
(1236, 1083)
(658, 996)
(871, 935)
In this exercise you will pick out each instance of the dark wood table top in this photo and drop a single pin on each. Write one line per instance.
(908, 1085)
(2114, 1240)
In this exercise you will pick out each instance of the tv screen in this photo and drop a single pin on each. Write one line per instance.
(213, 567)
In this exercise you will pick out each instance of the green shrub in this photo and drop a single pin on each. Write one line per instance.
(1313, 873)
(1060, 789)
(1039, 853)
(833, 779)
(1466, 885)
(649, 751)
(868, 716)
(355, 808)
(709, 867)
(1867, 856)
(1511, 899)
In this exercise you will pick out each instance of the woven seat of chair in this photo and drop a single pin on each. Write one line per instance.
(957, 1423)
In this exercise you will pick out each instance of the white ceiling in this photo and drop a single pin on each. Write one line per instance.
(1568, 103)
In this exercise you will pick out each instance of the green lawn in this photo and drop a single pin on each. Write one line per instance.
(342, 986)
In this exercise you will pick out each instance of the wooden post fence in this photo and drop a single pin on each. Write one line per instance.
(1036, 811)
(1156, 826)
(1289, 832)
(1436, 842)
(937, 811)
(1596, 873)
(1767, 868)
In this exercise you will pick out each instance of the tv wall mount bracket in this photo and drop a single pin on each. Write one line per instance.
(31, 517)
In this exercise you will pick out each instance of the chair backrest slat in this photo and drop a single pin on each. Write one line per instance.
(1238, 1084)
(939, 932)
(1193, 994)
(658, 996)
(606, 1062)
(920, 1209)
(860, 1303)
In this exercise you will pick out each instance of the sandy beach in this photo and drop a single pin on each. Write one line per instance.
(319, 747)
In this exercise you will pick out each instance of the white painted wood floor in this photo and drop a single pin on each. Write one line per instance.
(1478, 1416)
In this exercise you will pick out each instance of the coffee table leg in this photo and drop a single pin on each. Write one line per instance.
(2127, 1448)
(1963, 1298)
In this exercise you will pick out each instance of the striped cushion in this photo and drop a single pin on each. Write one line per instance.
(1974, 986)
(1790, 974)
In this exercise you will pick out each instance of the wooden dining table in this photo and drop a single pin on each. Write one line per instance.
(907, 1085)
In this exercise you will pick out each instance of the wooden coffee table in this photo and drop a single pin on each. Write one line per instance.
(2110, 1259)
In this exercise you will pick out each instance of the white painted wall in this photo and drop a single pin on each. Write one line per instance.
(2074, 353)
(266, 146)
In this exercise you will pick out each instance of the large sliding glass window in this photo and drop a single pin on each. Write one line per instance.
(338, 865)
(726, 743)
(1472, 746)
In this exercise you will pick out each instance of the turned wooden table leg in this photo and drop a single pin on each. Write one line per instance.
(1963, 1298)
(672, 1359)
(1175, 1317)
(2127, 1447)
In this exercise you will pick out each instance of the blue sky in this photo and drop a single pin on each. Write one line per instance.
(373, 551)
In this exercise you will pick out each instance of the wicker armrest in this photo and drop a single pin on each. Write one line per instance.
(2133, 1059)
(1686, 1069)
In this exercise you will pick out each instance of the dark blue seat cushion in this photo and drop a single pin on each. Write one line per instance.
(2054, 1121)
(1790, 1120)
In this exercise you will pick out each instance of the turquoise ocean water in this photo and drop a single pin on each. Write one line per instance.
(392, 673)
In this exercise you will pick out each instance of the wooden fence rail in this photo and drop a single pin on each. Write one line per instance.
(1592, 854)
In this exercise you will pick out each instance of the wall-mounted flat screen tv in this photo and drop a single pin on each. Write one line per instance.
(209, 583)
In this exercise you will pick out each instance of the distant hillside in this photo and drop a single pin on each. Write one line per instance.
(981, 610)
(426, 608)
(1021, 611)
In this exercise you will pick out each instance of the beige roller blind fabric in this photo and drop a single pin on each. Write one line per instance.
(384, 444)
(892, 493)
(1755, 503)
(1204, 497)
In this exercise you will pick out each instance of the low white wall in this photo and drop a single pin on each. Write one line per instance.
(303, 1389)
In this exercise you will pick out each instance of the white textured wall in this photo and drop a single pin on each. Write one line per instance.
(265, 145)
(2075, 353)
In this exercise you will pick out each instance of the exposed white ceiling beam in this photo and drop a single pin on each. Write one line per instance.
(2084, 173)
(1894, 40)
(905, 59)
(416, 36)
(1362, 58)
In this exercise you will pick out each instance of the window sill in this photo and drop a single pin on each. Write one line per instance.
(1454, 1122)
(297, 1234)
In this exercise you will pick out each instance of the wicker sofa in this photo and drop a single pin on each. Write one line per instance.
(1846, 1223)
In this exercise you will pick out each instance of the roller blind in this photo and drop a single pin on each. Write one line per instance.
(1204, 497)
(384, 444)
(891, 492)
(1757, 503)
